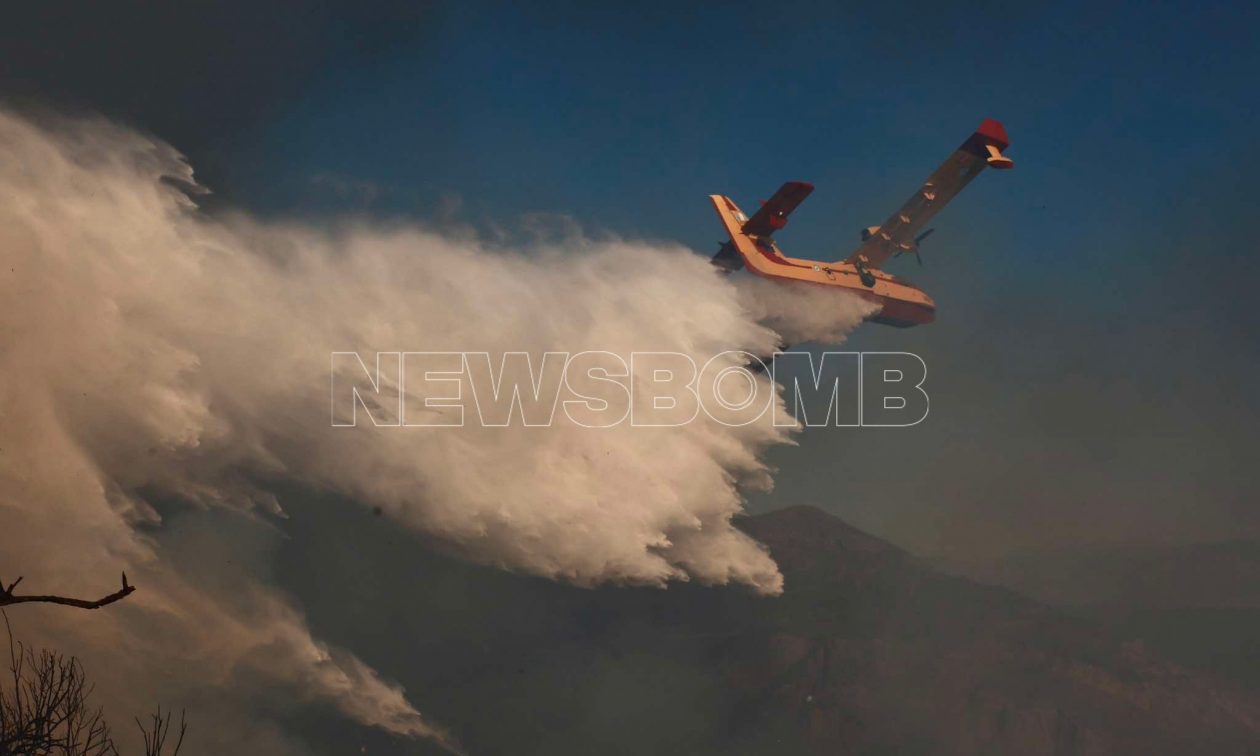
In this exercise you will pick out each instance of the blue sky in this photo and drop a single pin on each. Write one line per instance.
(623, 117)
(1091, 363)
(1080, 352)
(1122, 120)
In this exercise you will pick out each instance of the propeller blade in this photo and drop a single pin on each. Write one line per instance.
(923, 235)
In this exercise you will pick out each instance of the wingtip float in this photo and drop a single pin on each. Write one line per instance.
(902, 304)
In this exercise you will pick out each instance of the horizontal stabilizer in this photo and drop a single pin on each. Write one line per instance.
(774, 213)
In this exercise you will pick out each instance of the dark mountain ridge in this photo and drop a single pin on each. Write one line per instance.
(1196, 604)
(869, 650)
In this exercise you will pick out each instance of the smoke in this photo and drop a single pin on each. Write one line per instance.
(153, 354)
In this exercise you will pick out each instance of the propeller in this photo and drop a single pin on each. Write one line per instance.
(915, 247)
(917, 240)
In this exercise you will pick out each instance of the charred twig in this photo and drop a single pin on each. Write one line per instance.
(7, 597)
(155, 734)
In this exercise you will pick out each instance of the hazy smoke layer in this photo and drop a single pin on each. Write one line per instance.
(147, 350)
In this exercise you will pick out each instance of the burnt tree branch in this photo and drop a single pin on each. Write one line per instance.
(7, 596)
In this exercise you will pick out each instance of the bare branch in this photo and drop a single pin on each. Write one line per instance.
(46, 708)
(155, 734)
(7, 597)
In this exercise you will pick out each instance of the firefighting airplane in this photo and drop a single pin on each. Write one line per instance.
(902, 303)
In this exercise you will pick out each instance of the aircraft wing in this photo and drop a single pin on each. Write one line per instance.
(773, 213)
(898, 234)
